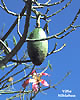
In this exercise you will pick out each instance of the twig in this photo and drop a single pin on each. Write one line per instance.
(60, 9)
(47, 3)
(14, 24)
(53, 49)
(53, 13)
(58, 49)
(56, 35)
(13, 97)
(68, 73)
(65, 34)
(18, 31)
(20, 61)
(9, 72)
(6, 9)
(12, 92)
(19, 79)
(39, 4)
(71, 25)
(49, 37)
(5, 47)
(15, 73)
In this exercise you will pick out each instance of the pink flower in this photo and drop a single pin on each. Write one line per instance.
(45, 74)
(35, 87)
(44, 83)
(35, 80)
(34, 71)
(25, 83)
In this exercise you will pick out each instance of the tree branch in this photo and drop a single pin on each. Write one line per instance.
(14, 24)
(19, 79)
(22, 40)
(47, 3)
(8, 11)
(55, 51)
(60, 33)
(60, 9)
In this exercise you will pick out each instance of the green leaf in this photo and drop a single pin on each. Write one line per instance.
(1, 58)
(1, 46)
(14, 40)
(6, 43)
(2, 67)
(50, 66)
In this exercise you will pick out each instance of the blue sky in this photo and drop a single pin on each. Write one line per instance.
(68, 59)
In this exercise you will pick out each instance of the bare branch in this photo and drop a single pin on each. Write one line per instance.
(14, 24)
(4, 46)
(20, 61)
(47, 3)
(60, 33)
(53, 13)
(13, 92)
(66, 34)
(9, 72)
(22, 40)
(19, 79)
(14, 73)
(6, 9)
(60, 9)
(55, 51)
(18, 31)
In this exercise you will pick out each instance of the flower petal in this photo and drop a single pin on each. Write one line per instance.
(45, 74)
(35, 87)
(32, 81)
(34, 71)
(25, 83)
(44, 82)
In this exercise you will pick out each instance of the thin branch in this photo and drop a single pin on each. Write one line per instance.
(14, 24)
(12, 92)
(71, 25)
(58, 49)
(39, 4)
(5, 47)
(50, 37)
(53, 13)
(22, 40)
(19, 79)
(14, 97)
(9, 72)
(65, 34)
(75, 17)
(53, 49)
(60, 33)
(59, 10)
(37, 7)
(18, 31)
(15, 73)
(52, 4)
(20, 61)
(1, 6)
(47, 3)
(67, 74)
(6, 9)
(42, 5)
